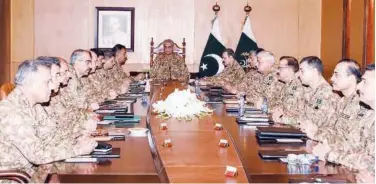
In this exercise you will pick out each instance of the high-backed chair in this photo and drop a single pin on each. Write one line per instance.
(5, 89)
(159, 48)
(15, 175)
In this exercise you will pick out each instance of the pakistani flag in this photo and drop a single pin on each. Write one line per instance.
(211, 60)
(246, 43)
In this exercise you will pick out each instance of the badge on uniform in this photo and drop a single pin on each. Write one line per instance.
(345, 116)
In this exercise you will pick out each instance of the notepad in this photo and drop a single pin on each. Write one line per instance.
(81, 160)
(289, 141)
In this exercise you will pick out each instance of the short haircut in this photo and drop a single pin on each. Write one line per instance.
(313, 61)
(97, 51)
(258, 50)
(291, 62)
(267, 55)
(109, 54)
(353, 68)
(77, 55)
(49, 60)
(230, 52)
(117, 48)
(370, 67)
(27, 69)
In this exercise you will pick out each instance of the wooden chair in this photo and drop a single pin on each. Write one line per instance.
(159, 48)
(15, 175)
(5, 89)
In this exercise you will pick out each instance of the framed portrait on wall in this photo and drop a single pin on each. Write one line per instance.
(115, 25)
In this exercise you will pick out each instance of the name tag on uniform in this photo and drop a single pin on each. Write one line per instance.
(345, 116)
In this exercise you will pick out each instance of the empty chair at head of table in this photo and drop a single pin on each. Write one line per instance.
(5, 89)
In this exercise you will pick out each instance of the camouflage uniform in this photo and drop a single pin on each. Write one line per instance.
(169, 66)
(89, 89)
(232, 75)
(357, 149)
(110, 82)
(268, 87)
(75, 97)
(20, 141)
(291, 100)
(319, 106)
(250, 78)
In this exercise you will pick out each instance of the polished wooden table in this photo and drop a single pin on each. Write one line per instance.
(195, 155)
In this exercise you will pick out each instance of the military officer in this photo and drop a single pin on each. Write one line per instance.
(291, 96)
(320, 101)
(169, 65)
(232, 75)
(21, 146)
(249, 78)
(120, 59)
(268, 84)
(353, 143)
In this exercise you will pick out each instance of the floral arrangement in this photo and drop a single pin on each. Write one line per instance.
(182, 105)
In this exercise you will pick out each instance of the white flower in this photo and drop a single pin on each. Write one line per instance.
(181, 104)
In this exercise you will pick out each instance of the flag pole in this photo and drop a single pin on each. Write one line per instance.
(247, 10)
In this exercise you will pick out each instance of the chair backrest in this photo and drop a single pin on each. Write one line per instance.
(5, 89)
(159, 48)
(15, 175)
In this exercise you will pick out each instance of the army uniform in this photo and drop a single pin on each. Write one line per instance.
(319, 105)
(119, 74)
(357, 149)
(169, 66)
(21, 148)
(89, 89)
(250, 78)
(75, 96)
(291, 100)
(268, 87)
(232, 75)
(111, 83)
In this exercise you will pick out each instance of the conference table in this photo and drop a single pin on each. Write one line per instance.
(195, 155)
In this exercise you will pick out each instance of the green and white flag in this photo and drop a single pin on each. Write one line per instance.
(247, 43)
(211, 60)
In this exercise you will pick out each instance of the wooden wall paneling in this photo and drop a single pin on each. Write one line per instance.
(5, 44)
(369, 35)
(357, 42)
(22, 37)
(309, 28)
(331, 34)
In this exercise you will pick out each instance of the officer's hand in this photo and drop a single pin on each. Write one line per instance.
(94, 106)
(277, 115)
(365, 176)
(139, 77)
(112, 94)
(321, 150)
(202, 82)
(259, 103)
(85, 145)
(309, 128)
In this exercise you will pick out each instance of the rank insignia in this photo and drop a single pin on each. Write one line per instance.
(345, 116)
(294, 88)
(318, 101)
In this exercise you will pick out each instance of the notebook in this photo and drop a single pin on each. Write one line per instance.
(123, 118)
(280, 132)
(113, 153)
(320, 179)
(277, 154)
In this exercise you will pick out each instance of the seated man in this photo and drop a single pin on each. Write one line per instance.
(353, 140)
(267, 86)
(21, 146)
(169, 65)
(292, 93)
(120, 58)
(250, 77)
(232, 74)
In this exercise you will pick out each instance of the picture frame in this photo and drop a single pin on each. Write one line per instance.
(115, 25)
